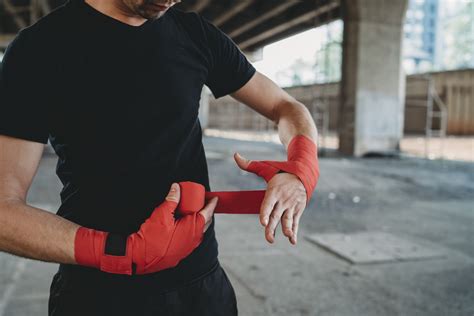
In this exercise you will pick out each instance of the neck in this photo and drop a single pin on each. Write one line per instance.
(117, 10)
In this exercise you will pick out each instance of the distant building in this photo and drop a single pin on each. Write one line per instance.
(421, 36)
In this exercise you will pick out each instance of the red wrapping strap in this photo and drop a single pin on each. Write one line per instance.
(194, 197)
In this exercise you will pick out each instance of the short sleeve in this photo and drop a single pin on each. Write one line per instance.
(230, 68)
(22, 105)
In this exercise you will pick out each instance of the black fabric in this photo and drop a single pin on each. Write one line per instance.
(116, 244)
(211, 294)
(119, 104)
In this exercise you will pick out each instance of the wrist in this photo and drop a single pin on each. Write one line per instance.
(88, 245)
(109, 252)
(303, 151)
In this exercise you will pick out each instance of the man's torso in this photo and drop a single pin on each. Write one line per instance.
(122, 115)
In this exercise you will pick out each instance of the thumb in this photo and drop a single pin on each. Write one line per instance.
(242, 162)
(208, 211)
(165, 211)
(174, 194)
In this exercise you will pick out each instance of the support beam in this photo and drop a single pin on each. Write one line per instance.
(270, 14)
(241, 6)
(200, 5)
(373, 83)
(34, 11)
(13, 11)
(45, 7)
(5, 39)
(282, 27)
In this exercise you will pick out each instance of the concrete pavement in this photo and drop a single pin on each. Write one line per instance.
(427, 202)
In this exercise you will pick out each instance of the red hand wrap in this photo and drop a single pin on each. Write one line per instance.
(302, 162)
(194, 197)
(162, 242)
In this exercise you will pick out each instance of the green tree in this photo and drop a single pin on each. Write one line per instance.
(458, 41)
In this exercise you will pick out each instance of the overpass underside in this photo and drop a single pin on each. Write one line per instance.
(372, 85)
(252, 24)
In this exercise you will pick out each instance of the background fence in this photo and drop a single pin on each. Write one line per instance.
(454, 88)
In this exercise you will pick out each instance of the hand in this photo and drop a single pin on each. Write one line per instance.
(161, 242)
(207, 211)
(285, 200)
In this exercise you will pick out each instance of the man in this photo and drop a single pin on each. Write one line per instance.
(115, 86)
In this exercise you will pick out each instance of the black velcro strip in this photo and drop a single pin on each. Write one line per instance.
(134, 268)
(116, 244)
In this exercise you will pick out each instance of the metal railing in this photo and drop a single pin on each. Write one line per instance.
(436, 109)
(436, 118)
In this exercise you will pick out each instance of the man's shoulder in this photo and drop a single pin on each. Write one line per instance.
(191, 21)
(45, 29)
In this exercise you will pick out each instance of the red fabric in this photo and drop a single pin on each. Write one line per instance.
(88, 246)
(193, 198)
(302, 162)
(161, 242)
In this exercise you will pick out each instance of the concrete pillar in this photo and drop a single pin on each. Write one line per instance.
(204, 107)
(373, 82)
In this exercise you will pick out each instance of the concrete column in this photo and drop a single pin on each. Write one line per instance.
(373, 82)
(204, 107)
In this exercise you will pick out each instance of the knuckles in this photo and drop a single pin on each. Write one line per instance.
(274, 216)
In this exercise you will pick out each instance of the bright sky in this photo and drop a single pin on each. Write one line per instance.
(282, 54)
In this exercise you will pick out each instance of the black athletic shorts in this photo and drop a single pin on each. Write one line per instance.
(211, 294)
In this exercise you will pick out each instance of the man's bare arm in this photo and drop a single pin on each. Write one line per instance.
(25, 230)
(265, 97)
(286, 195)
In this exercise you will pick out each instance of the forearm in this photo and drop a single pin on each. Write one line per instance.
(288, 195)
(34, 233)
(294, 118)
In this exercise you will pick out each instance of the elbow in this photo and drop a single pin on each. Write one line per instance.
(289, 109)
(12, 196)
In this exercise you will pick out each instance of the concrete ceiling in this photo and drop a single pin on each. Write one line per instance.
(252, 24)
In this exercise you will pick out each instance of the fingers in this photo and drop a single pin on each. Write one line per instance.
(285, 206)
(273, 222)
(165, 211)
(208, 211)
(187, 236)
(266, 207)
(174, 194)
(287, 222)
(241, 161)
(206, 225)
(296, 222)
(294, 238)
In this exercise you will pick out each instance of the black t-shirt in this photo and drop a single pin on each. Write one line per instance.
(119, 104)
